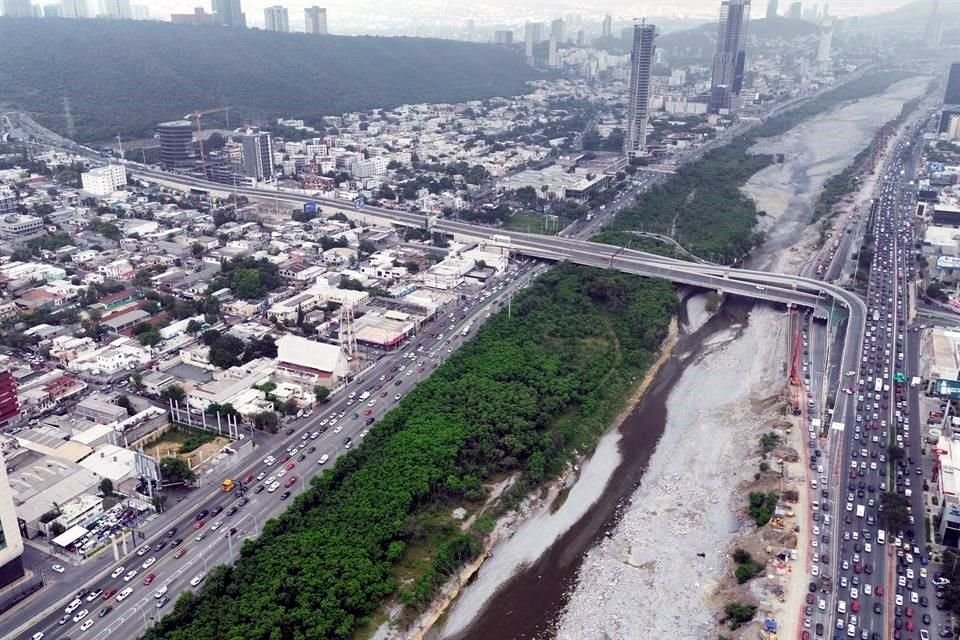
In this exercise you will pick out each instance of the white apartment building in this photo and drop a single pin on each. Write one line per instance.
(103, 181)
(368, 167)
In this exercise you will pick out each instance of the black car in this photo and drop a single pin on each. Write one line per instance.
(301, 457)
(176, 543)
(160, 545)
(284, 495)
(105, 611)
(259, 488)
(369, 421)
(290, 431)
(162, 601)
(311, 449)
(877, 608)
(812, 587)
(819, 628)
(216, 510)
(231, 511)
(242, 501)
(203, 514)
(172, 532)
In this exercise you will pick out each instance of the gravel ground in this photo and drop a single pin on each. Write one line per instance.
(647, 580)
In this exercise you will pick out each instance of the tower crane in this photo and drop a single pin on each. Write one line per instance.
(196, 115)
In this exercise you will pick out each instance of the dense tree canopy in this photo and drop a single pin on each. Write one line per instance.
(520, 397)
(259, 74)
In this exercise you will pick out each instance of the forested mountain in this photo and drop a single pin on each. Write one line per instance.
(126, 76)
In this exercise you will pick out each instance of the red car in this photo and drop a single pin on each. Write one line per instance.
(908, 612)
(150, 578)
(810, 598)
(857, 568)
(805, 635)
(199, 524)
(180, 552)
(853, 474)
(368, 412)
(878, 590)
(285, 457)
(909, 625)
(291, 466)
(855, 606)
(290, 481)
(248, 479)
(109, 593)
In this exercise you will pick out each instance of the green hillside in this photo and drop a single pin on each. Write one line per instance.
(126, 76)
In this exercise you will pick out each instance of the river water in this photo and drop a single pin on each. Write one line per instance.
(505, 602)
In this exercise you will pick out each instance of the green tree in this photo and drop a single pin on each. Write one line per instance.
(321, 393)
(174, 392)
(267, 421)
(124, 401)
(176, 471)
(225, 352)
(106, 487)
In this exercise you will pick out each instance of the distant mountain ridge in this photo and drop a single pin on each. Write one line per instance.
(125, 76)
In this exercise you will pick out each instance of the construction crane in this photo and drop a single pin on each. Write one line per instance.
(196, 115)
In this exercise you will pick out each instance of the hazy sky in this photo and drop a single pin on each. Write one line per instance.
(380, 16)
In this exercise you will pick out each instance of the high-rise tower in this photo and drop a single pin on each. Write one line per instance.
(316, 19)
(772, 6)
(641, 66)
(731, 56)
(229, 13)
(276, 18)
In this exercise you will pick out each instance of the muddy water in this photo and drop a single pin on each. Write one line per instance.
(528, 606)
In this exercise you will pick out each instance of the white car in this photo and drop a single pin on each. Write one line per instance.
(148, 562)
(323, 459)
(197, 579)
(80, 615)
(37, 636)
(200, 536)
(914, 597)
(216, 525)
(142, 551)
(867, 590)
(269, 461)
(58, 568)
(898, 600)
(261, 475)
(130, 575)
(159, 593)
(338, 429)
(273, 487)
(73, 606)
(123, 595)
(86, 625)
(117, 572)
(281, 473)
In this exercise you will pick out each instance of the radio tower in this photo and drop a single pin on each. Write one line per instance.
(348, 338)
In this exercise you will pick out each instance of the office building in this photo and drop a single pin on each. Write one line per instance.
(74, 9)
(52, 11)
(11, 543)
(116, 9)
(176, 143)
(8, 199)
(18, 8)
(316, 20)
(607, 29)
(15, 226)
(557, 29)
(103, 181)
(257, 155)
(772, 7)
(198, 17)
(9, 400)
(795, 12)
(553, 60)
(529, 40)
(504, 36)
(730, 59)
(826, 38)
(276, 18)
(229, 13)
(952, 95)
(641, 66)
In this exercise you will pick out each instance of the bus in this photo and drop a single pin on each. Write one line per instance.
(878, 385)
(860, 510)
(881, 536)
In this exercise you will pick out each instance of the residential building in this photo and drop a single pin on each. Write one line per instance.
(316, 20)
(198, 17)
(74, 9)
(557, 28)
(826, 40)
(229, 13)
(553, 61)
(116, 9)
(52, 11)
(17, 8)
(503, 36)
(11, 544)
(795, 12)
(17, 226)
(607, 29)
(102, 181)
(369, 167)
(176, 141)
(8, 199)
(641, 66)
(772, 6)
(124, 321)
(952, 94)
(257, 155)
(276, 18)
(731, 55)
